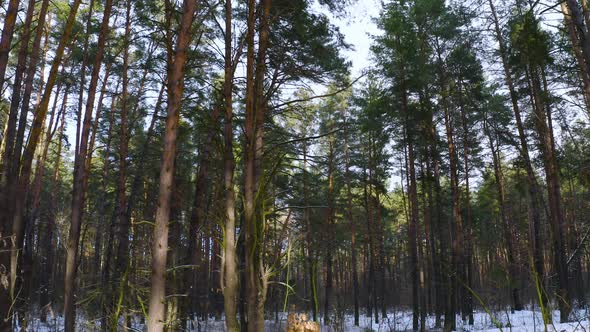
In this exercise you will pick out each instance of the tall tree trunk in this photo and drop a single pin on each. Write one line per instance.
(9, 179)
(370, 275)
(542, 117)
(256, 276)
(13, 140)
(47, 233)
(19, 198)
(577, 21)
(230, 276)
(414, 214)
(350, 216)
(381, 261)
(9, 162)
(110, 231)
(29, 82)
(160, 239)
(6, 39)
(468, 239)
(83, 74)
(505, 215)
(198, 215)
(583, 70)
(456, 227)
(310, 263)
(80, 175)
(534, 207)
(41, 159)
(13, 150)
(123, 223)
(329, 244)
(33, 213)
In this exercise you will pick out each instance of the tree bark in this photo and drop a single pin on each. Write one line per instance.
(468, 303)
(350, 216)
(536, 247)
(310, 263)
(230, 275)
(9, 179)
(580, 37)
(160, 239)
(123, 222)
(83, 74)
(9, 162)
(329, 231)
(542, 118)
(456, 226)
(583, 71)
(414, 214)
(18, 200)
(256, 277)
(6, 39)
(12, 151)
(505, 215)
(47, 233)
(80, 175)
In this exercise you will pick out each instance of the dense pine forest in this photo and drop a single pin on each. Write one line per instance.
(203, 165)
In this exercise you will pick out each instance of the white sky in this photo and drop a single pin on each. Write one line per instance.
(357, 27)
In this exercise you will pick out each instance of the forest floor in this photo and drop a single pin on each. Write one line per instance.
(520, 321)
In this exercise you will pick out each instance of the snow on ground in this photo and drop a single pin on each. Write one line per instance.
(521, 321)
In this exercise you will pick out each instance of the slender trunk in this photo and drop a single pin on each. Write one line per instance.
(313, 298)
(505, 215)
(103, 190)
(140, 170)
(160, 239)
(328, 230)
(370, 276)
(468, 303)
(256, 276)
(6, 39)
(434, 213)
(229, 278)
(381, 261)
(13, 154)
(106, 270)
(29, 82)
(251, 276)
(456, 227)
(534, 207)
(198, 214)
(350, 216)
(40, 167)
(414, 214)
(83, 74)
(173, 303)
(10, 162)
(11, 188)
(18, 200)
(110, 231)
(80, 175)
(47, 263)
(583, 71)
(97, 119)
(542, 112)
(32, 215)
(577, 18)
(123, 222)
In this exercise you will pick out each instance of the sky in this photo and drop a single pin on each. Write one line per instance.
(357, 27)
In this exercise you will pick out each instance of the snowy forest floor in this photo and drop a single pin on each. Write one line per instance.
(520, 321)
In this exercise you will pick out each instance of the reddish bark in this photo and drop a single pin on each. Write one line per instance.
(160, 239)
